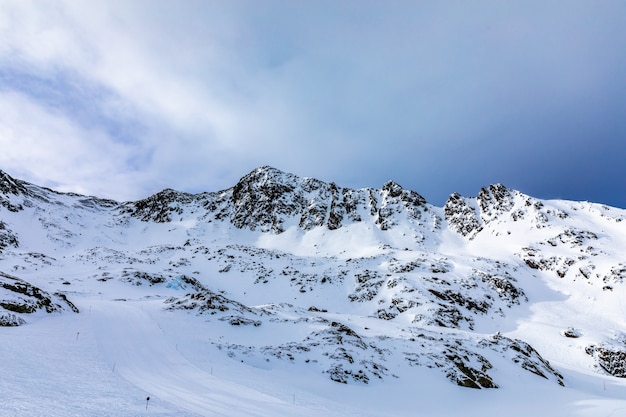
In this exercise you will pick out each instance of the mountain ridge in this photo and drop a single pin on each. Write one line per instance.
(361, 286)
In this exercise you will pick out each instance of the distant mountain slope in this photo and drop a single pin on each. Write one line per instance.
(358, 285)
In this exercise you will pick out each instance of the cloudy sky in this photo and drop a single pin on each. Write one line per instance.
(121, 99)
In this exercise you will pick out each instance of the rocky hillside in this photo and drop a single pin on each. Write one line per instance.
(361, 286)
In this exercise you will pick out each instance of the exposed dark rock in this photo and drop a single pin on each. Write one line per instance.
(267, 199)
(352, 358)
(404, 283)
(19, 296)
(504, 287)
(459, 299)
(207, 302)
(368, 284)
(341, 353)
(572, 333)
(241, 321)
(466, 375)
(610, 357)
(10, 320)
(262, 199)
(461, 217)
(617, 274)
(536, 259)
(494, 200)
(337, 207)
(7, 237)
(139, 277)
(68, 302)
(160, 207)
(573, 238)
(11, 186)
(395, 200)
(525, 356)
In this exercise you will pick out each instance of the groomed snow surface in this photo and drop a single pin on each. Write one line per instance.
(107, 360)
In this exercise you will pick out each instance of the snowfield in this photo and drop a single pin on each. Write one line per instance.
(287, 296)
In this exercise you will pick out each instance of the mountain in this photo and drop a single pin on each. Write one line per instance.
(286, 283)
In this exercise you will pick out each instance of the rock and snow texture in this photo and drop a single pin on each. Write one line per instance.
(292, 288)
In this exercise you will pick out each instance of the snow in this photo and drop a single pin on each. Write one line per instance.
(126, 344)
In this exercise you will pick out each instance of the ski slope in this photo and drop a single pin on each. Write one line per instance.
(107, 360)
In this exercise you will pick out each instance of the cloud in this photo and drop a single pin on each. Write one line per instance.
(59, 150)
(440, 96)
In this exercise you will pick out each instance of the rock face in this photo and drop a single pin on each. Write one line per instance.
(7, 237)
(468, 217)
(494, 201)
(269, 200)
(610, 355)
(10, 187)
(461, 216)
(19, 298)
(160, 208)
(357, 283)
(612, 360)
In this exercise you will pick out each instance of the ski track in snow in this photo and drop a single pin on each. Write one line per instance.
(141, 354)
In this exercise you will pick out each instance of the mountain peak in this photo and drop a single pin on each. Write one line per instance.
(361, 286)
(268, 199)
(9, 185)
(9, 189)
(393, 188)
(267, 173)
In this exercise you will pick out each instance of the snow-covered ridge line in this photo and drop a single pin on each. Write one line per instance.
(270, 200)
(372, 286)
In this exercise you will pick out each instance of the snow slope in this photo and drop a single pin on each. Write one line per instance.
(290, 296)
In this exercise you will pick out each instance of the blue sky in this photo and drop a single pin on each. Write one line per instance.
(121, 99)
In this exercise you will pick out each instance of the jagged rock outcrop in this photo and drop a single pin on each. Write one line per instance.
(206, 302)
(467, 361)
(461, 216)
(396, 200)
(160, 207)
(266, 197)
(269, 200)
(10, 186)
(7, 237)
(18, 297)
(467, 217)
(494, 201)
(610, 355)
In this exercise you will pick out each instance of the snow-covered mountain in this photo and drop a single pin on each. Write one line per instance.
(291, 296)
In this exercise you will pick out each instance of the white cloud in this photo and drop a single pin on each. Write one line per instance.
(53, 151)
(338, 90)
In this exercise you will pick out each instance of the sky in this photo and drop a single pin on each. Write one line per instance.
(123, 98)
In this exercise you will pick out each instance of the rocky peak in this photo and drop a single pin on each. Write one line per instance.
(158, 207)
(395, 190)
(10, 186)
(467, 216)
(270, 200)
(494, 200)
(263, 198)
(461, 216)
(267, 198)
(392, 188)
